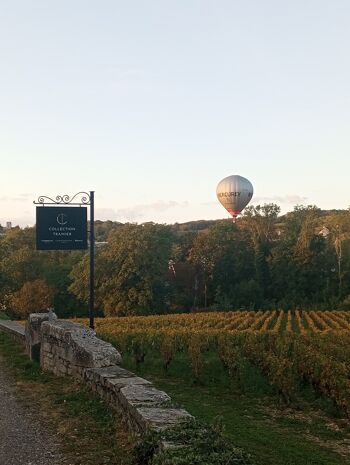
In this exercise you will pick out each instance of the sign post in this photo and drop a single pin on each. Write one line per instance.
(92, 261)
(61, 224)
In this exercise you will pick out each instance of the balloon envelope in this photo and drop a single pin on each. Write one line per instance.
(234, 193)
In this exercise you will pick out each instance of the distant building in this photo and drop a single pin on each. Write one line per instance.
(100, 244)
(8, 225)
(325, 232)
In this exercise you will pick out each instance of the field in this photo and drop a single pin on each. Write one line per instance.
(278, 380)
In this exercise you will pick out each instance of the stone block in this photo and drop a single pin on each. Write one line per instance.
(33, 332)
(79, 345)
(112, 377)
(46, 347)
(135, 395)
(113, 371)
(158, 418)
(116, 384)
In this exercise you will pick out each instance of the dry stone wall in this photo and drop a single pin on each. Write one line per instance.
(144, 406)
(68, 348)
(33, 333)
(15, 330)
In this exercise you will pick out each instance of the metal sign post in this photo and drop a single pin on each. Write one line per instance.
(92, 261)
(61, 226)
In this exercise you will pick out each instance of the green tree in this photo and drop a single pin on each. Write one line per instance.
(131, 271)
(224, 261)
(300, 265)
(260, 224)
(202, 256)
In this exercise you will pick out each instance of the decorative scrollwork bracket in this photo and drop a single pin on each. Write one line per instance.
(83, 198)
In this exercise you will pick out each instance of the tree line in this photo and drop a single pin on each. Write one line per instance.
(300, 260)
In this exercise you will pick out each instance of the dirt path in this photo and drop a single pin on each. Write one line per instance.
(23, 439)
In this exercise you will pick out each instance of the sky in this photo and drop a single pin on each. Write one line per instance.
(151, 103)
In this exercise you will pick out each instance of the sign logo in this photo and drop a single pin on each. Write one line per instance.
(62, 219)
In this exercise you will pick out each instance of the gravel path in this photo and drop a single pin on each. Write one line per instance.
(23, 439)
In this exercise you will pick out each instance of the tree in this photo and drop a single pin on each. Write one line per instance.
(33, 297)
(201, 255)
(234, 271)
(224, 262)
(20, 263)
(300, 264)
(339, 240)
(260, 223)
(131, 271)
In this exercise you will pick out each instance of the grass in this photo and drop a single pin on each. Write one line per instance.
(307, 433)
(89, 432)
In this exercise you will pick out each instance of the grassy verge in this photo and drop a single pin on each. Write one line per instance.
(309, 433)
(89, 432)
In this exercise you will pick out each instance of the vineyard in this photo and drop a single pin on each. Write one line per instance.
(303, 322)
(291, 349)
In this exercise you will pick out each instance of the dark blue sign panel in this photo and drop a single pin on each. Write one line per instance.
(61, 228)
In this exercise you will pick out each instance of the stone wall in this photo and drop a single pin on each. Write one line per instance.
(144, 406)
(33, 333)
(15, 330)
(68, 348)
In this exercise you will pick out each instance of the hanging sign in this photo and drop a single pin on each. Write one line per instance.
(61, 228)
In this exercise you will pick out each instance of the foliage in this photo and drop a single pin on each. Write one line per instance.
(193, 443)
(131, 272)
(263, 261)
(20, 263)
(34, 296)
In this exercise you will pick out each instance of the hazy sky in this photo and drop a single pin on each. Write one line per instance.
(151, 103)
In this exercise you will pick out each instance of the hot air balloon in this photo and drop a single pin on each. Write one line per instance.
(234, 193)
